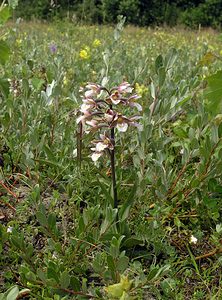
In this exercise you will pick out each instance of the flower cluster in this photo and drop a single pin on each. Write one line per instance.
(96, 43)
(99, 110)
(84, 53)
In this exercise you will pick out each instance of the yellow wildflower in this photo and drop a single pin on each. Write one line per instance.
(65, 80)
(96, 43)
(18, 41)
(141, 90)
(119, 290)
(84, 54)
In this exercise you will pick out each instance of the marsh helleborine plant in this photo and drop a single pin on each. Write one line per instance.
(100, 112)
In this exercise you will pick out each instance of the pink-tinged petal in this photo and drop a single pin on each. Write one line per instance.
(93, 86)
(96, 155)
(115, 98)
(101, 146)
(93, 90)
(90, 93)
(80, 119)
(125, 87)
(122, 127)
(135, 96)
(85, 107)
(92, 123)
(115, 101)
(137, 125)
(136, 118)
(137, 105)
(108, 118)
(89, 101)
(102, 136)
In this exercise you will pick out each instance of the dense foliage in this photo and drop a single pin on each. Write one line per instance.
(61, 234)
(142, 13)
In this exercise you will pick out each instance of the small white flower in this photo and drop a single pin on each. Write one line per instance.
(122, 127)
(80, 119)
(54, 255)
(108, 117)
(115, 98)
(96, 155)
(93, 90)
(100, 147)
(9, 229)
(137, 105)
(125, 87)
(90, 93)
(193, 239)
(74, 153)
(182, 151)
(85, 107)
(92, 123)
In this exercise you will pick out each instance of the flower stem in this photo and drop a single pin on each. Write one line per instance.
(112, 155)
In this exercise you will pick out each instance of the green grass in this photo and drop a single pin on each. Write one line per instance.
(66, 240)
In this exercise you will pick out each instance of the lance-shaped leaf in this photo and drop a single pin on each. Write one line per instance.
(213, 93)
(5, 14)
(4, 52)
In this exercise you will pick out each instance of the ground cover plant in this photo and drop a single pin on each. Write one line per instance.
(62, 236)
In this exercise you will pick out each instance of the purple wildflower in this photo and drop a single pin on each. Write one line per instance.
(53, 48)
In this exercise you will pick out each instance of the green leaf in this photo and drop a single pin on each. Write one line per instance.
(170, 58)
(162, 76)
(13, 293)
(152, 274)
(4, 52)
(168, 285)
(220, 130)
(29, 250)
(132, 242)
(41, 275)
(106, 193)
(109, 219)
(37, 83)
(49, 153)
(5, 14)
(2, 296)
(207, 59)
(213, 93)
(158, 63)
(65, 280)
(125, 209)
(122, 263)
(75, 284)
(52, 220)
(16, 241)
(41, 217)
(157, 272)
(180, 132)
(30, 276)
(111, 263)
(51, 273)
(13, 3)
(152, 90)
(4, 87)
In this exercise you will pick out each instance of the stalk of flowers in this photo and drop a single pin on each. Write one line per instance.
(100, 111)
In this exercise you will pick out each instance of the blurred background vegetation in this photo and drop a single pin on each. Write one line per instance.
(142, 13)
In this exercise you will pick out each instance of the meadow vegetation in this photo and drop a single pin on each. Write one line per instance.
(60, 235)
